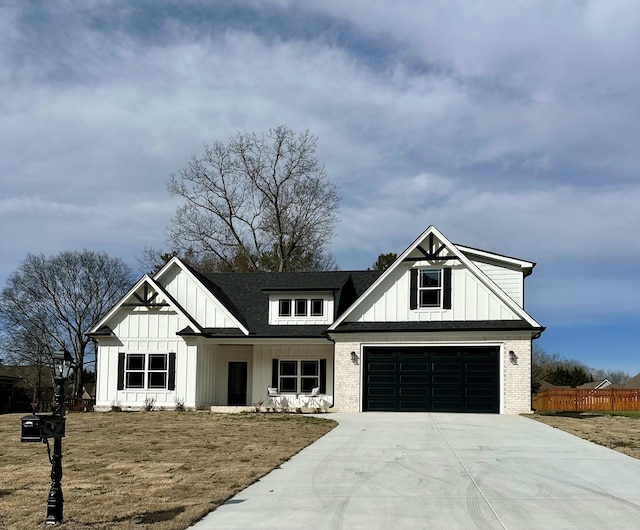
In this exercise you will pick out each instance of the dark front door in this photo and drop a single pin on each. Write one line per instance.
(237, 384)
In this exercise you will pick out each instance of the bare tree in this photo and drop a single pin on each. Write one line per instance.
(50, 302)
(256, 203)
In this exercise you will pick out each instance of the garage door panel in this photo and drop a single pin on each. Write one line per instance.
(480, 392)
(389, 379)
(415, 379)
(438, 379)
(417, 406)
(381, 367)
(383, 406)
(446, 379)
(386, 391)
(417, 392)
(480, 367)
(480, 379)
(446, 367)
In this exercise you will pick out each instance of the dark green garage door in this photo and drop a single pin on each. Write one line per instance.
(439, 379)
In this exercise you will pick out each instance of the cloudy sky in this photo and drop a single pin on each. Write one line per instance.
(511, 126)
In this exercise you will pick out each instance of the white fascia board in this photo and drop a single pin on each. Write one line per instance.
(157, 287)
(455, 251)
(178, 263)
(116, 307)
(523, 264)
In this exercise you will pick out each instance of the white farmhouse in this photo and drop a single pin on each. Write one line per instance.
(443, 329)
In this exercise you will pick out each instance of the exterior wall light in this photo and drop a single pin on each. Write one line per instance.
(513, 358)
(354, 357)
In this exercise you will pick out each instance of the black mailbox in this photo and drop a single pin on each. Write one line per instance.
(31, 429)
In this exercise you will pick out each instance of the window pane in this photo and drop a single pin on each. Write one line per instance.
(135, 362)
(157, 379)
(301, 308)
(308, 383)
(158, 362)
(309, 368)
(430, 298)
(135, 380)
(288, 384)
(317, 307)
(288, 367)
(285, 307)
(430, 278)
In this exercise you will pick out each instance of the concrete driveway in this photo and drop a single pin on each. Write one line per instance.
(441, 471)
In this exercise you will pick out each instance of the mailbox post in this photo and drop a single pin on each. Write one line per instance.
(39, 428)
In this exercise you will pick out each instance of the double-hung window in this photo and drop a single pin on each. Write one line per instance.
(430, 288)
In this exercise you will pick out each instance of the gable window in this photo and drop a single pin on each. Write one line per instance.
(301, 307)
(299, 376)
(146, 371)
(430, 288)
(284, 307)
(317, 307)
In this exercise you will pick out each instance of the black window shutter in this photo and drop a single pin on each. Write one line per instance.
(413, 294)
(274, 373)
(171, 383)
(323, 376)
(446, 288)
(121, 371)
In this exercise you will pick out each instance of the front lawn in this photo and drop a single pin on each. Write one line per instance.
(137, 469)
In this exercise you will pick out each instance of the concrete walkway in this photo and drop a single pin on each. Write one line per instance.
(441, 471)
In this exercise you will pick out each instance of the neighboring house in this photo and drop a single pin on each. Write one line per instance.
(8, 384)
(442, 329)
(597, 385)
(634, 382)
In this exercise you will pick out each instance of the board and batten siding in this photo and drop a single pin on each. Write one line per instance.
(264, 353)
(509, 280)
(471, 300)
(197, 301)
(141, 330)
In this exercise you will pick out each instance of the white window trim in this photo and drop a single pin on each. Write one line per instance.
(439, 289)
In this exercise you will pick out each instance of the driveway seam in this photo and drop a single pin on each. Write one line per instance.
(473, 480)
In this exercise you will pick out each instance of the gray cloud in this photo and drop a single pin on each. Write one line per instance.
(510, 126)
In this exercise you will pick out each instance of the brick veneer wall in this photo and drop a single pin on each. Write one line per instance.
(516, 377)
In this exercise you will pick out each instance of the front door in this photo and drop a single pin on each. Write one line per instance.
(237, 384)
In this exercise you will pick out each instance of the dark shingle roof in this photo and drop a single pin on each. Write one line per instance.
(246, 295)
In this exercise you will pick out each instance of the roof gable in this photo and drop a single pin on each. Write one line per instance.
(146, 293)
(433, 247)
(208, 306)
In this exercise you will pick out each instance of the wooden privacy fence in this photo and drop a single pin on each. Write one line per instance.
(584, 399)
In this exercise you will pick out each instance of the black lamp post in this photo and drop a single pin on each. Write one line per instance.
(61, 364)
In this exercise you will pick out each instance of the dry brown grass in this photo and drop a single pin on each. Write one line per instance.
(134, 470)
(618, 432)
